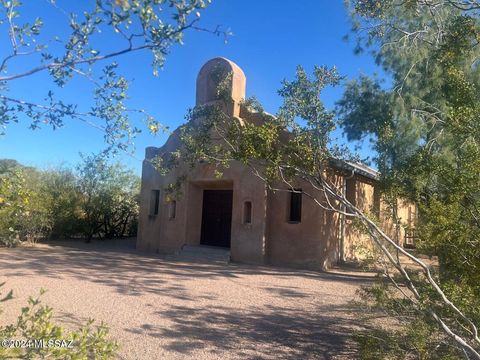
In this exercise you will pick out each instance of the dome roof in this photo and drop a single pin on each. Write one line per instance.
(210, 76)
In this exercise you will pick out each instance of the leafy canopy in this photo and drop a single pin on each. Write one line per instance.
(152, 26)
(426, 132)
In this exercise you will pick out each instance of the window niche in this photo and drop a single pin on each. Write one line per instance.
(351, 190)
(172, 209)
(295, 206)
(154, 202)
(376, 201)
(247, 212)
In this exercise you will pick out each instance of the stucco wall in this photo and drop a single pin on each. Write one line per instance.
(312, 243)
(148, 226)
(164, 235)
(357, 244)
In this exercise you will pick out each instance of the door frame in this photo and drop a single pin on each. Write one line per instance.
(203, 227)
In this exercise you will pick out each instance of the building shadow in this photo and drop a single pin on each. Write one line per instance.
(289, 331)
(278, 333)
(134, 273)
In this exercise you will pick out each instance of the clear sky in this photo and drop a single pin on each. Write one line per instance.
(270, 39)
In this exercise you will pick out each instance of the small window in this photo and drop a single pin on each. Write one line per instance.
(295, 214)
(350, 190)
(411, 215)
(154, 202)
(172, 209)
(376, 201)
(247, 212)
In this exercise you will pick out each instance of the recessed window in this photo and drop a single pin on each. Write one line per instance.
(376, 201)
(411, 215)
(154, 201)
(172, 209)
(350, 190)
(247, 212)
(295, 213)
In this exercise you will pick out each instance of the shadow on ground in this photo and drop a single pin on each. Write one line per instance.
(120, 268)
(267, 332)
(276, 334)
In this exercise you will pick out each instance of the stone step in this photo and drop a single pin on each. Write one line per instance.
(201, 253)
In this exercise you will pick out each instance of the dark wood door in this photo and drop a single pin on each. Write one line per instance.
(216, 217)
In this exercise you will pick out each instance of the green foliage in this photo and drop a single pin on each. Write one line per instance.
(409, 332)
(23, 213)
(427, 134)
(35, 323)
(365, 106)
(109, 198)
(100, 200)
(415, 340)
(153, 26)
(59, 189)
(297, 136)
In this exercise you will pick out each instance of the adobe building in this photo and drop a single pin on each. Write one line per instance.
(238, 212)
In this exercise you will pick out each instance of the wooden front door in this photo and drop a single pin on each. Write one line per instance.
(216, 217)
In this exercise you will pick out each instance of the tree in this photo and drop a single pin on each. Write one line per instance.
(426, 133)
(24, 213)
(108, 198)
(119, 202)
(59, 190)
(101, 199)
(295, 146)
(151, 25)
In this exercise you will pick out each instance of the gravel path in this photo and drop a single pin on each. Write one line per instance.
(159, 309)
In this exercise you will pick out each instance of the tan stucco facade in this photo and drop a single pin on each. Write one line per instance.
(260, 230)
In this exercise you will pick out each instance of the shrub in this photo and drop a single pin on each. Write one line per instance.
(98, 200)
(35, 323)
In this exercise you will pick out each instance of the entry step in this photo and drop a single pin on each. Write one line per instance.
(202, 253)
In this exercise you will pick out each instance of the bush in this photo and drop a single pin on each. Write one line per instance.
(35, 323)
(98, 200)
(405, 332)
(109, 198)
(23, 213)
(59, 188)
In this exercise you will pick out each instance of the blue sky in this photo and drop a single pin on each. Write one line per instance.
(270, 39)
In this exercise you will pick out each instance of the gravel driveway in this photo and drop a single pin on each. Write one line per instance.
(159, 309)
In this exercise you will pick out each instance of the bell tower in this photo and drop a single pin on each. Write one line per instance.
(212, 74)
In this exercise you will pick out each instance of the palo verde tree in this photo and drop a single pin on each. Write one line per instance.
(295, 146)
(134, 26)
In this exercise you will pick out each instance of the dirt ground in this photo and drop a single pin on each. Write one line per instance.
(158, 309)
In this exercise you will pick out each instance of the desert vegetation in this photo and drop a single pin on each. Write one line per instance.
(94, 199)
